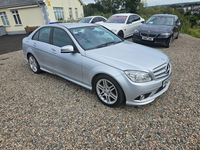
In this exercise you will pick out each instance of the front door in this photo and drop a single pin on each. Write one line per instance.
(64, 64)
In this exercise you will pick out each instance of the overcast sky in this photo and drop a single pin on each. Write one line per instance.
(153, 2)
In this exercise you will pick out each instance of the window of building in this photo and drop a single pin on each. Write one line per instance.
(58, 11)
(4, 19)
(76, 12)
(16, 17)
(70, 13)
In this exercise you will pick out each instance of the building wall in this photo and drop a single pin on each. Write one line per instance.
(65, 4)
(28, 17)
(34, 17)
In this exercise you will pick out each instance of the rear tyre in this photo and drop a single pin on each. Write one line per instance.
(33, 64)
(109, 91)
(121, 34)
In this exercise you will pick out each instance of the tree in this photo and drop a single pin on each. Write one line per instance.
(130, 5)
(110, 6)
(92, 9)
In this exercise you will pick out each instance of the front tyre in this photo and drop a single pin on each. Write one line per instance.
(33, 64)
(121, 34)
(109, 91)
(169, 42)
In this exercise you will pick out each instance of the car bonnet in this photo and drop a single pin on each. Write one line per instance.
(129, 56)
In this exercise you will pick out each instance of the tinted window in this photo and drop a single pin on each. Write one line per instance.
(102, 19)
(44, 35)
(85, 20)
(117, 19)
(35, 37)
(95, 20)
(61, 38)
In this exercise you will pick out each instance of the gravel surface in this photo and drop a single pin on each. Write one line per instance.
(44, 111)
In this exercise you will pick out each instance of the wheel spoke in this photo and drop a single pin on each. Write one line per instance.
(113, 96)
(111, 88)
(100, 87)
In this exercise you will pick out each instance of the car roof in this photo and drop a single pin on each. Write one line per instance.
(165, 15)
(124, 14)
(71, 25)
(93, 16)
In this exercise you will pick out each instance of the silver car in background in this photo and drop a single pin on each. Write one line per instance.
(97, 59)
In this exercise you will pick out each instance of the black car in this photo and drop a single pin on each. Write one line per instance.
(159, 29)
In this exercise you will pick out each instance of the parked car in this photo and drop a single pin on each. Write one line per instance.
(92, 19)
(159, 29)
(123, 24)
(95, 58)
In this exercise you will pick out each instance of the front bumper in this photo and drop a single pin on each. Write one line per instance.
(156, 41)
(151, 89)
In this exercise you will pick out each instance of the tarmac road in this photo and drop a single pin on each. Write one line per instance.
(11, 43)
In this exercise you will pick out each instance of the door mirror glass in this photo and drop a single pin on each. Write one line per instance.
(67, 49)
(178, 24)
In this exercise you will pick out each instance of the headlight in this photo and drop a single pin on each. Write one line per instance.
(114, 30)
(165, 35)
(136, 32)
(138, 76)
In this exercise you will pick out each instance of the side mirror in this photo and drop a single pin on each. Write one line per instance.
(67, 49)
(142, 21)
(178, 24)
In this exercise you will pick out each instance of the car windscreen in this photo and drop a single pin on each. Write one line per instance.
(92, 37)
(160, 20)
(84, 20)
(117, 19)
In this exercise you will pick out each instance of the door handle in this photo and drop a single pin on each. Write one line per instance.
(34, 44)
(53, 51)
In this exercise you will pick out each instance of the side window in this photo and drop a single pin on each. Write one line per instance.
(61, 38)
(136, 18)
(95, 20)
(130, 19)
(35, 37)
(44, 35)
(102, 19)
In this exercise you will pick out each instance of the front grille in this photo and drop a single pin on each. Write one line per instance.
(148, 35)
(144, 34)
(161, 71)
(152, 35)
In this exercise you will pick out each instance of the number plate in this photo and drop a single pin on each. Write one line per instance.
(166, 82)
(147, 38)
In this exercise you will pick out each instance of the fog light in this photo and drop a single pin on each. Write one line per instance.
(142, 97)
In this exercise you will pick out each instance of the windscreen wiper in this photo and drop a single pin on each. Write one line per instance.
(105, 44)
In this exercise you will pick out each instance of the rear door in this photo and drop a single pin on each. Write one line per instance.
(40, 44)
(133, 22)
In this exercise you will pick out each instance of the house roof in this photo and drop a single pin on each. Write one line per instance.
(13, 3)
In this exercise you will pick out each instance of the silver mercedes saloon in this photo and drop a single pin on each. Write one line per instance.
(95, 58)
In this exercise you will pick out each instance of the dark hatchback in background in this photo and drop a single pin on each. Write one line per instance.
(159, 29)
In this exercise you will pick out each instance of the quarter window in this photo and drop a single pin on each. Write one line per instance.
(58, 12)
(16, 17)
(101, 19)
(35, 37)
(44, 35)
(61, 38)
(4, 19)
